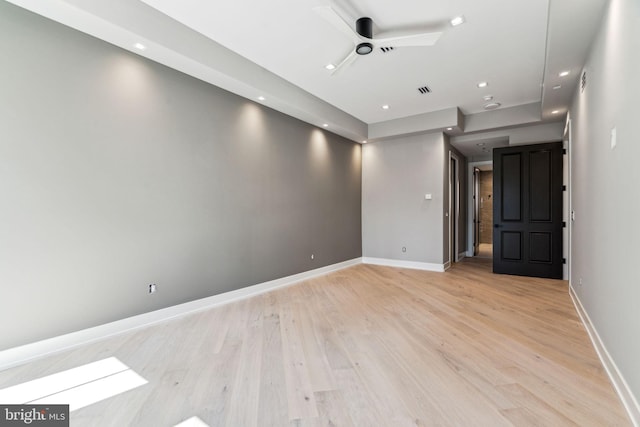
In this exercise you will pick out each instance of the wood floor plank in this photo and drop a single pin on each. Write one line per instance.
(360, 405)
(273, 407)
(331, 410)
(547, 415)
(331, 347)
(245, 392)
(364, 346)
(300, 395)
(210, 381)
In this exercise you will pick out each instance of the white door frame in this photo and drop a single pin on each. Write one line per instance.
(567, 202)
(454, 209)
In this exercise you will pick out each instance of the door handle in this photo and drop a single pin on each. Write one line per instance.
(496, 226)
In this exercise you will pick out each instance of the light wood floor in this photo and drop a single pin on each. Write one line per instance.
(485, 250)
(366, 346)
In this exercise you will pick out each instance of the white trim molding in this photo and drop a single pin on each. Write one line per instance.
(404, 264)
(462, 255)
(622, 388)
(28, 352)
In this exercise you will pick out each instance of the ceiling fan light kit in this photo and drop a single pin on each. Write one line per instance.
(364, 48)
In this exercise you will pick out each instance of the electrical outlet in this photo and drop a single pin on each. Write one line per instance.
(152, 288)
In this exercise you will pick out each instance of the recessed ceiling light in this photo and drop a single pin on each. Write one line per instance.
(326, 125)
(139, 46)
(564, 73)
(487, 97)
(364, 142)
(330, 67)
(385, 107)
(261, 98)
(555, 111)
(457, 21)
(492, 105)
(449, 128)
(483, 84)
(556, 87)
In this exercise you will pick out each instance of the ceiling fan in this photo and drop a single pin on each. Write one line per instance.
(363, 40)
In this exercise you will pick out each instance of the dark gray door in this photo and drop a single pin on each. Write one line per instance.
(527, 210)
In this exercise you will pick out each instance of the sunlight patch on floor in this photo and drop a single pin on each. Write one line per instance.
(77, 387)
(192, 422)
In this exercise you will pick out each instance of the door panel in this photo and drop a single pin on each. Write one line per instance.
(540, 185)
(511, 189)
(511, 245)
(540, 247)
(527, 234)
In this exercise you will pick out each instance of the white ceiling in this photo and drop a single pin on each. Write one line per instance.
(517, 46)
(287, 38)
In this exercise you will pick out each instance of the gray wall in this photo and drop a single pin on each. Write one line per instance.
(116, 172)
(396, 175)
(604, 187)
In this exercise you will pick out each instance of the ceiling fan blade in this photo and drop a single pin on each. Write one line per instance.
(336, 20)
(345, 62)
(401, 40)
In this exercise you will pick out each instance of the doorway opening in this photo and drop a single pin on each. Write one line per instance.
(480, 213)
(485, 213)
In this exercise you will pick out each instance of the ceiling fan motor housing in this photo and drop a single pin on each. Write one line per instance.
(364, 27)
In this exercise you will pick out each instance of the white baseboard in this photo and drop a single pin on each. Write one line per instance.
(404, 264)
(446, 265)
(462, 255)
(25, 353)
(470, 253)
(622, 388)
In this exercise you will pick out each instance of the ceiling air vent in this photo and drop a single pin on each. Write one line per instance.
(386, 49)
(424, 89)
(583, 81)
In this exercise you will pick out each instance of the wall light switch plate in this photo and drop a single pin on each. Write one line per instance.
(614, 138)
(427, 197)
